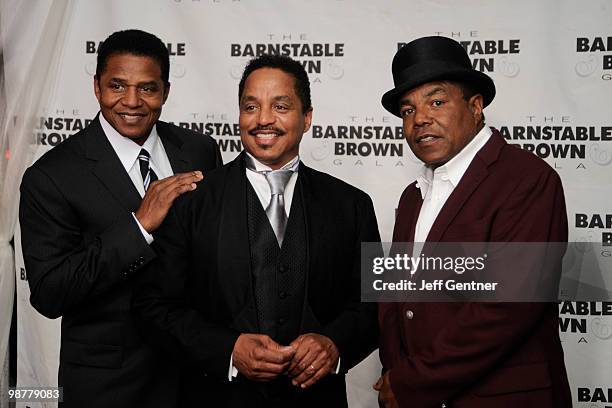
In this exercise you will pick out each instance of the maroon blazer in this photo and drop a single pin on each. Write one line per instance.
(482, 354)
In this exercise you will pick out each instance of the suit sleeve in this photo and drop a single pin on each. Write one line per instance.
(355, 330)
(66, 266)
(163, 303)
(483, 334)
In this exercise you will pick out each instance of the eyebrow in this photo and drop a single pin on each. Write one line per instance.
(248, 98)
(123, 81)
(436, 90)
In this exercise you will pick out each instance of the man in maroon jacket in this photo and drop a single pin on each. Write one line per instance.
(474, 187)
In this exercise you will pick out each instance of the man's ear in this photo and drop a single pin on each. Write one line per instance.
(475, 103)
(307, 120)
(166, 92)
(97, 90)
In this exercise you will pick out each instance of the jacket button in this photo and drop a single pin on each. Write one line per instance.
(282, 269)
(282, 295)
(409, 314)
(281, 321)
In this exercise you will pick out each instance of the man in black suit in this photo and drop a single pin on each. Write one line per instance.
(86, 225)
(258, 274)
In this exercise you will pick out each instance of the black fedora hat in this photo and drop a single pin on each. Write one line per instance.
(430, 59)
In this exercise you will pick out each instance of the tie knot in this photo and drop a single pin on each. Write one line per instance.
(277, 180)
(143, 155)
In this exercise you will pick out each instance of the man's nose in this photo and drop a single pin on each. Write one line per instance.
(131, 98)
(421, 117)
(266, 116)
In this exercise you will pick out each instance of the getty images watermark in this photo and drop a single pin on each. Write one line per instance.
(485, 271)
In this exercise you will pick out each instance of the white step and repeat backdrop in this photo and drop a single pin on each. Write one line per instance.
(551, 61)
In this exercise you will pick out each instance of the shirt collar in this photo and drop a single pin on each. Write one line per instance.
(292, 165)
(126, 149)
(455, 168)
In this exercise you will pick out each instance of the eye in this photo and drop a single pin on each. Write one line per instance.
(148, 89)
(406, 111)
(116, 87)
(249, 108)
(281, 107)
(437, 103)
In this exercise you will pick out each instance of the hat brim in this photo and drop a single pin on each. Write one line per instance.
(420, 74)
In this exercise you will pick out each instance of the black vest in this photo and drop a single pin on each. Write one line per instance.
(279, 274)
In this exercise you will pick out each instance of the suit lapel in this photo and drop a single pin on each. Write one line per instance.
(474, 175)
(234, 250)
(315, 220)
(179, 158)
(107, 168)
(406, 225)
(233, 224)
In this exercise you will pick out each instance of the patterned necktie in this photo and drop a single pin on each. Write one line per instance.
(148, 175)
(277, 180)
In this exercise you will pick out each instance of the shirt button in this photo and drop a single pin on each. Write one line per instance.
(409, 314)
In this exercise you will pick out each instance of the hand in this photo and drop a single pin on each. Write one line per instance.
(386, 398)
(315, 356)
(259, 358)
(160, 196)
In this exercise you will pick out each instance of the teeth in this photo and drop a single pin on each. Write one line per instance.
(130, 118)
(427, 139)
(265, 135)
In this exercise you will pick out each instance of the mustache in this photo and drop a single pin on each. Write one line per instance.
(258, 129)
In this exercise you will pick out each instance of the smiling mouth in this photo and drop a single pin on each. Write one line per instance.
(426, 139)
(266, 134)
(131, 117)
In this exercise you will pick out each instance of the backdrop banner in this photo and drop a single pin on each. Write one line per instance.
(551, 62)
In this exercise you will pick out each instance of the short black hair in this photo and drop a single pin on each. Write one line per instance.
(285, 64)
(134, 42)
(469, 89)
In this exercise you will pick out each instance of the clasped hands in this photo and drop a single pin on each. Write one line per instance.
(306, 360)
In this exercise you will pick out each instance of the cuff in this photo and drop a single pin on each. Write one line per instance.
(233, 371)
(148, 237)
(337, 370)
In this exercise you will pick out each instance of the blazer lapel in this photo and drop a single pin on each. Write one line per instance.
(179, 158)
(315, 214)
(107, 167)
(233, 247)
(406, 225)
(474, 175)
(233, 233)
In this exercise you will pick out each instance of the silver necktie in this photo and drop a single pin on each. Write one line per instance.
(276, 209)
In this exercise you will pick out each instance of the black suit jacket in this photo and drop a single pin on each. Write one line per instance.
(81, 247)
(203, 284)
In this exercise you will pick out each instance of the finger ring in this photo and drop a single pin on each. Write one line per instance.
(312, 367)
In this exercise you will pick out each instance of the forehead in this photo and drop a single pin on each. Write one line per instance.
(431, 89)
(270, 80)
(129, 65)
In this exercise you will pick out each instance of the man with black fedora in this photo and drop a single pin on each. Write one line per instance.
(473, 187)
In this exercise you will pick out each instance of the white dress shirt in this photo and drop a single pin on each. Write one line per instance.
(127, 150)
(437, 185)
